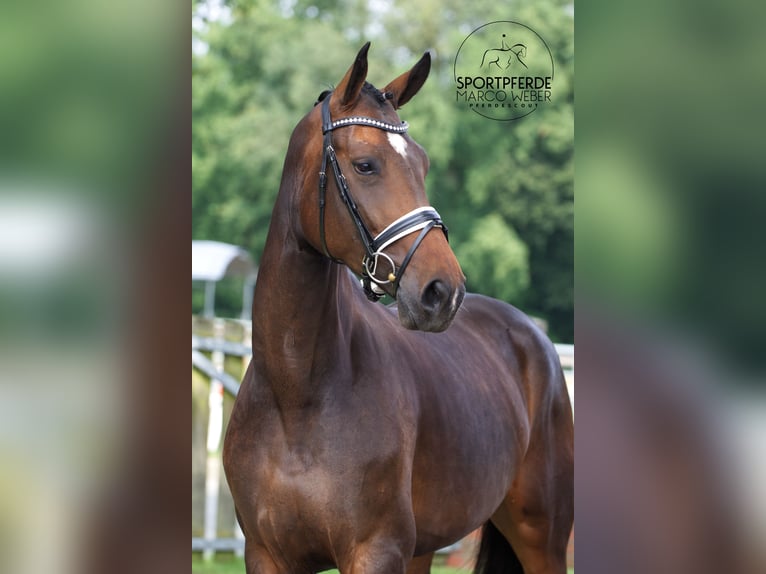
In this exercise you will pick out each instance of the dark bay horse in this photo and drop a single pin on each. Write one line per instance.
(366, 437)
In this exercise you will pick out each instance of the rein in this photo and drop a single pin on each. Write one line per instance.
(421, 219)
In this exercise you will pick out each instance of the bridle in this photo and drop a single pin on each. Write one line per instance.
(421, 219)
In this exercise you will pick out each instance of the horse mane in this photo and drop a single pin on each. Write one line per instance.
(367, 88)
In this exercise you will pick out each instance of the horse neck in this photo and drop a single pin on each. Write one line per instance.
(298, 331)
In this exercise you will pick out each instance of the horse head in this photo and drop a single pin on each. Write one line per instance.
(362, 198)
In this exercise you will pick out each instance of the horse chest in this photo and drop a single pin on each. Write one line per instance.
(308, 495)
(325, 459)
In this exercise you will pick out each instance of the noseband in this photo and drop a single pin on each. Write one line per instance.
(421, 219)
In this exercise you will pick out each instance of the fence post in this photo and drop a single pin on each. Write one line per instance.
(247, 334)
(214, 430)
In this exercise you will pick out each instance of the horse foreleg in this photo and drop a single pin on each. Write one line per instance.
(376, 558)
(258, 560)
(421, 564)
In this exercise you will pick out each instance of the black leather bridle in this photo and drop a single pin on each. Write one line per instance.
(421, 219)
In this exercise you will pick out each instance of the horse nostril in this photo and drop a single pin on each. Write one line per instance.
(435, 296)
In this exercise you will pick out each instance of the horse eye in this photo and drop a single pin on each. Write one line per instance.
(364, 167)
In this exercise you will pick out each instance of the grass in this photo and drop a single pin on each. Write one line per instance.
(224, 564)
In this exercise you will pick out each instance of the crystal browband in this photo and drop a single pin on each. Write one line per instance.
(361, 120)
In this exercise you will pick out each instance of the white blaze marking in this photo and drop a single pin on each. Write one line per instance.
(398, 142)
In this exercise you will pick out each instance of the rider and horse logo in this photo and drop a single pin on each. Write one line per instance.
(503, 71)
(504, 56)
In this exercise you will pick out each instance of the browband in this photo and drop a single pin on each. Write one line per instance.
(363, 121)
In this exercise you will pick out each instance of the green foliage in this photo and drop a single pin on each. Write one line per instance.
(504, 188)
(495, 260)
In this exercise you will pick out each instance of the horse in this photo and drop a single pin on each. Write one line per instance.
(365, 437)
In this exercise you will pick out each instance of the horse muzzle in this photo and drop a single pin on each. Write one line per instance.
(434, 306)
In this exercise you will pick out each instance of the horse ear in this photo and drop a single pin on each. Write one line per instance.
(352, 82)
(409, 83)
